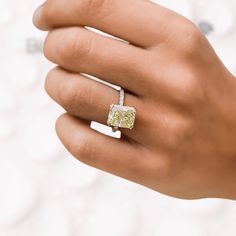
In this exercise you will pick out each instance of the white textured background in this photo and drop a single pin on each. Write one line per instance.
(45, 192)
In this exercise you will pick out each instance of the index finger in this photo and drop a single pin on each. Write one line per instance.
(139, 22)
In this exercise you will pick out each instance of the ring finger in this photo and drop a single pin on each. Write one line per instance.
(89, 99)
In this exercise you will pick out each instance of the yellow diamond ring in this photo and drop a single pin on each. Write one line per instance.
(121, 116)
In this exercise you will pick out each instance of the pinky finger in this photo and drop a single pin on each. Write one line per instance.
(116, 156)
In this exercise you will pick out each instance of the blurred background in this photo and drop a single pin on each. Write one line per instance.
(46, 192)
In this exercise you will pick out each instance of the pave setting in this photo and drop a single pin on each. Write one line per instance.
(121, 116)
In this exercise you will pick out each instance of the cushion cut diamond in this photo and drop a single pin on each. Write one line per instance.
(121, 116)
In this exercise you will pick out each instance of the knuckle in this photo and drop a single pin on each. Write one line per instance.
(68, 95)
(193, 39)
(75, 44)
(83, 96)
(192, 91)
(69, 45)
(179, 130)
(97, 7)
(185, 87)
(83, 149)
(74, 94)
(87, 96)
(189, 86)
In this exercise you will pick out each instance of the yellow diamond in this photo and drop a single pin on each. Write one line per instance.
(121, 116)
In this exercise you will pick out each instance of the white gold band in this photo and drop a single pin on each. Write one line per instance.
(122, 97)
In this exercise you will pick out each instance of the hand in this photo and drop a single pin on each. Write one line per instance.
(183, 142)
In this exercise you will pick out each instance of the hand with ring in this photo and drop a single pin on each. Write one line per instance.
(176, 108)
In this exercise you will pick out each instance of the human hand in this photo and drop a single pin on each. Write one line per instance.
(183, 142)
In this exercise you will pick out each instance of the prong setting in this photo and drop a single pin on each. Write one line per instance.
(121, 116)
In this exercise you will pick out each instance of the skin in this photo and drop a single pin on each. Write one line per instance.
(183, 142)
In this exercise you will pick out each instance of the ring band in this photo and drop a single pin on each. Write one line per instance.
(121, 103)
(121, 116)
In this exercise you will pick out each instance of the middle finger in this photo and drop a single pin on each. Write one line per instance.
(90, 100)
(83, 51)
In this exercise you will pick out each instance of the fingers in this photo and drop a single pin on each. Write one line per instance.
(80, 50)
(88, 99)
(139, 22)
(109, 154)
